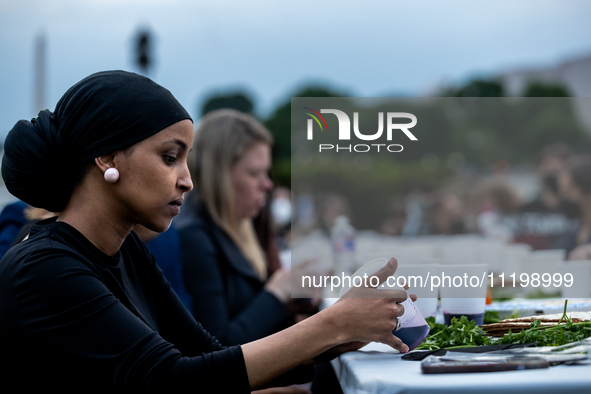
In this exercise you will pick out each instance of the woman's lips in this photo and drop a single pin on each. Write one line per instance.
(175, 208)
(176, 205)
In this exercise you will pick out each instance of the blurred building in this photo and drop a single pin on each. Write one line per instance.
(574, 74)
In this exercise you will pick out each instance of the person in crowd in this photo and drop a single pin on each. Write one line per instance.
(544, 220)
(332, 206)
(12, 219)
(305, 218)
(445, 215)
(416, 203)
(240, 291)
(32, 215)
(575, 185)
(395, 217)
(83, 305)
(495, 203)
(230, 257)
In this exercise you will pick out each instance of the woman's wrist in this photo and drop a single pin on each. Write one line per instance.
(329, 321)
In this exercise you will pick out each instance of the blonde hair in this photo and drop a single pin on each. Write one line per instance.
(33, 213)
(221, 140)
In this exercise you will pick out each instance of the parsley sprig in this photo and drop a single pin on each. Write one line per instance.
(460, 333)
(556, 335)
(493, 316)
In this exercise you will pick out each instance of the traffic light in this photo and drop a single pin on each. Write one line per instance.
(144, 50)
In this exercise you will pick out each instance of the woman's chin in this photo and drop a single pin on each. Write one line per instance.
(158, 227)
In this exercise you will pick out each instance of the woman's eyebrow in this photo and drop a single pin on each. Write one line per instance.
(176, 142)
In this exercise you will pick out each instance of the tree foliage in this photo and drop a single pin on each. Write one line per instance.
(238, 101)
(279, 124)
(544, 89)
(478, 88)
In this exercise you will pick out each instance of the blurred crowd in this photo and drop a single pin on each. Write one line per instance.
(557, 215)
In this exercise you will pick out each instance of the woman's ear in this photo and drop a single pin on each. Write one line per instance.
(107, 165)
(105, 162)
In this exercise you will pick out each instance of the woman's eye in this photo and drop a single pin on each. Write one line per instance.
(169, 159)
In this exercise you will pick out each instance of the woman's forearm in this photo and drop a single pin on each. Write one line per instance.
(276, 354)
(362, 314)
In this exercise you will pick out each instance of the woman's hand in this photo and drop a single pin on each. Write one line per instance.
(279, 284)
(366, 314)
(363, 315)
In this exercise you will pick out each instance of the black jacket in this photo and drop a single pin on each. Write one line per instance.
(229, 299)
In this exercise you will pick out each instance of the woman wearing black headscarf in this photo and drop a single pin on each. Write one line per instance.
(83, 306)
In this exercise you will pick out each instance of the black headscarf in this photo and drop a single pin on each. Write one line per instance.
(103, 113)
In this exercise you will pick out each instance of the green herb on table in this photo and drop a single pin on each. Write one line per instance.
(491, 317)
(460, 333)
(555, 335)
(434, 327)
(464, 333)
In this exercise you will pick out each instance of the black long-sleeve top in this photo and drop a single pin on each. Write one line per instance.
(239, 309)
(76, 319)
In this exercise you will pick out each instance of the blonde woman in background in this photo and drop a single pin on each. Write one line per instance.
(235, 296)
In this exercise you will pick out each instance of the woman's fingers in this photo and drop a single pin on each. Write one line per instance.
(388, 270)
(377, 316)
(400, 311)
(396, 343)
(397, 295)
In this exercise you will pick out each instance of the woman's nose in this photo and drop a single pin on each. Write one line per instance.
(185, 182)
(267, 183)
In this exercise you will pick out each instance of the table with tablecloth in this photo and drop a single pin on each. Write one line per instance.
(380, 369)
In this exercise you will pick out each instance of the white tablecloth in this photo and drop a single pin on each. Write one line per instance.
(380, 370)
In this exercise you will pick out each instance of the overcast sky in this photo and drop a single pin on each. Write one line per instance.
(270, 48)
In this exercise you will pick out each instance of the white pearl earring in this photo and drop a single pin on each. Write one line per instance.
(111, 175)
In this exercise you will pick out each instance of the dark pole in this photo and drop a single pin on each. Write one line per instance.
(143, 53)
(40, 44)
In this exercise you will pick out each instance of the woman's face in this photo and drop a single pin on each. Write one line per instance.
(154, 177)
(250, 181)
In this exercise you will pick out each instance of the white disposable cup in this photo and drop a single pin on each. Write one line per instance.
(472, 308)
(427, 306)
(460, 297)
(538, 263)
(581, 278)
